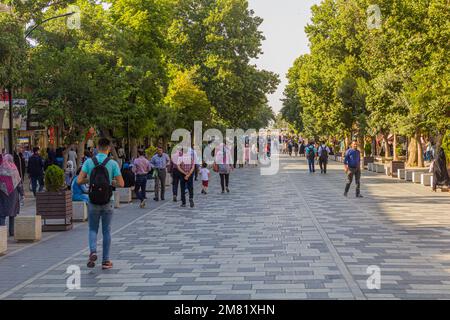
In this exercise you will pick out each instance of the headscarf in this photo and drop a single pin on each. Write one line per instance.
(440, 173)
(9, 175)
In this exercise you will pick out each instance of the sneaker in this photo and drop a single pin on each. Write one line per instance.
(191, 203)
(223, 191)
(92, 259)
(228, 190)
(107, 265)
(174, 198)
(359, 196)
(183, 205)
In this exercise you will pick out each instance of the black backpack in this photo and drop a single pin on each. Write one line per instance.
(100, 189)
(311, 153)
(324, 154)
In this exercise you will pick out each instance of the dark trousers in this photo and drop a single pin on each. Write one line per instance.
(323, 165)
(311, 165)
(175, 181)
(34, 182)
(190, 186)
(11, 224)
(356, 172)
(224, 180)
(141, 186)
(160, 183)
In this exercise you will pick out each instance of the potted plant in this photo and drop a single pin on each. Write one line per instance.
(56, 202)
(368, 158)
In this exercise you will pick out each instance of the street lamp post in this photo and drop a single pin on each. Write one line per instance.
(11, 129)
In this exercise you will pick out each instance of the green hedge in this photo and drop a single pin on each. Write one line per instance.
(54, 179)
(446, 145)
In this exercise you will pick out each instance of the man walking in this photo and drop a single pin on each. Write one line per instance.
(311, 156)
(141, 168)
(36, 171)
(186, 167)
(323, 153)
(102, 173)
(352, 166)
(160, 161)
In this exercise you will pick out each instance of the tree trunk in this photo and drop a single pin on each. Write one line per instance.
(374, 146)
(134, 148)
(395, 147)
(386, 146)
(412, 151)
(80, 152)
(420, 161)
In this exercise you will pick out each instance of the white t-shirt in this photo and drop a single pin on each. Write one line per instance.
(204, 173)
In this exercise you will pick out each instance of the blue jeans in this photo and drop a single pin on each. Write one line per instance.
(311, 165)
(189, 184)
(34, 182)
(105, 213)
(141, 186)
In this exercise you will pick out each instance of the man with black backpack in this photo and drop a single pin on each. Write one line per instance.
(323, 153)
(100, 171)
(311, 156)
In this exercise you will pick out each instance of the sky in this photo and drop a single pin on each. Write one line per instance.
(283, 27)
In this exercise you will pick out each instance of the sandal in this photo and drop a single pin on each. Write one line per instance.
(92, 259)
(107, 265)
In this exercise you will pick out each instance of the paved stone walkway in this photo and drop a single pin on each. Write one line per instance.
(288, 236)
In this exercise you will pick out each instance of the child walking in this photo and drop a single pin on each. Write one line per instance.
(204, 172)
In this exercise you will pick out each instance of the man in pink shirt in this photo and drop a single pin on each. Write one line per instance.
(141, 168)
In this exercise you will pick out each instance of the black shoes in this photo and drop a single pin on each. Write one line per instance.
(174, 198)
(228, 190)
(183, 205)
(191, 203)
(345, 194)
(359, 196)
(156, 199)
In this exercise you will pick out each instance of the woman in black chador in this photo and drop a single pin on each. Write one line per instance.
(440, 173)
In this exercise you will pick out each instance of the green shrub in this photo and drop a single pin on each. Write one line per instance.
(54, 179)
(150, 151)
(368, 149)
(446, 145)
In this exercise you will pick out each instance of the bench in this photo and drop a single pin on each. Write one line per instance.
(116, 199)
(379, 168)
(27, 228)
(409, 173)
(426, 179)
(125, 195)
(387, 170)
(79, 211)
(401, 173)
(3, 240)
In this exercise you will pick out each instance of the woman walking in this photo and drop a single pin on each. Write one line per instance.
(225, 164)
(10, 191)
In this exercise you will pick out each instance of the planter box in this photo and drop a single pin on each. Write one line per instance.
(3, 240)
(367, 160)
(401, 174)
(55, 206)
(409, 173)
(125, 195)
(370, 166)
(80, 212)
(426, 179)
(395, 165)
(416, 176)
(116, 199)
(28, 228)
